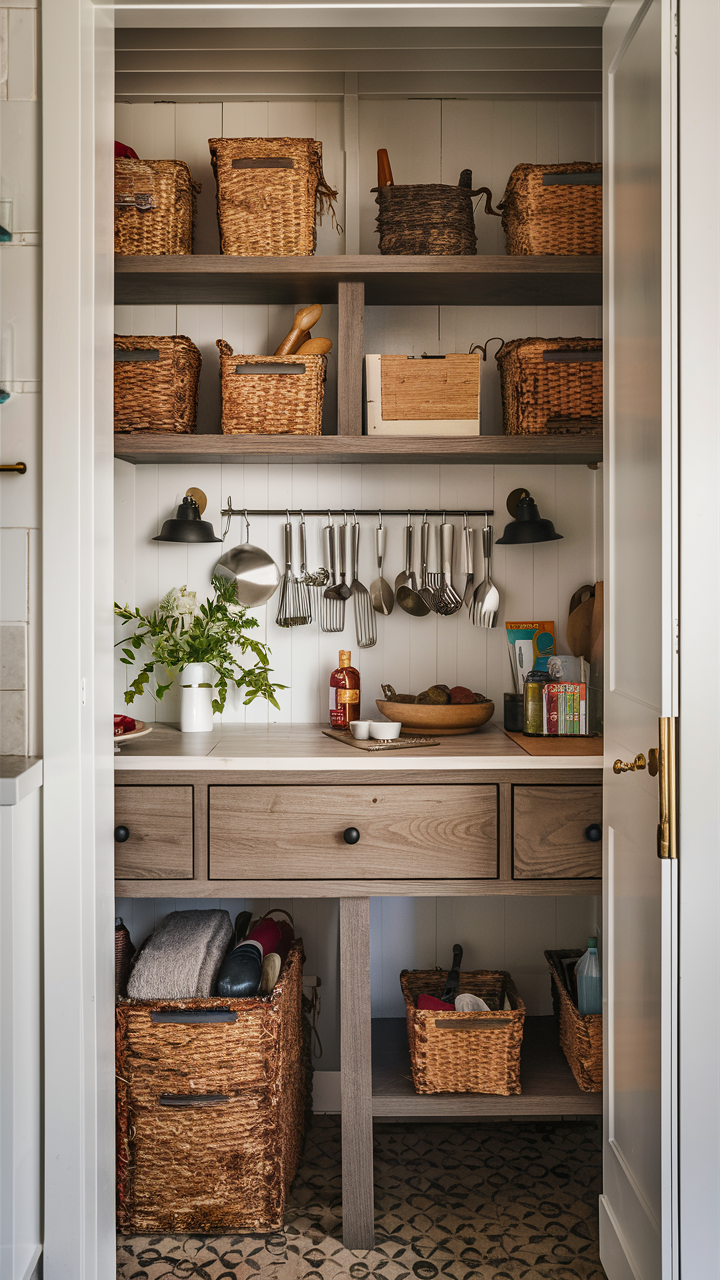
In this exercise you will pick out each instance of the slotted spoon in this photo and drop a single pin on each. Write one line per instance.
(294, 603)
(332, 607)
(365, 625)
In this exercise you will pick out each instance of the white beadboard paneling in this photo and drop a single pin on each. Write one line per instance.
(21, 299)
(14, 575)
(21, 54)
(529, 923)
(147, 127)
(20, 149)
(20, 503)
(195, 122)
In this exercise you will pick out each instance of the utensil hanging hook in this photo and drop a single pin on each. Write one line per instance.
(228, 518)
(247, 525)
(380, 523)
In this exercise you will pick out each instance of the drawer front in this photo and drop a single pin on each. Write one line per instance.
(296, 833)
(549, 840)
(160, 823)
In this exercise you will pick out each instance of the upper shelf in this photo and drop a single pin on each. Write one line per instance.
(389, 281)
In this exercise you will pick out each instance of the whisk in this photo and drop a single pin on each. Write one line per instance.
(331, 609)
(294, 608)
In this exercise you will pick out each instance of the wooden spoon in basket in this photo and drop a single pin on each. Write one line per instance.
(302, 324)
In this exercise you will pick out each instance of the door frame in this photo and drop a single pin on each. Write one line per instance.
(77, 105)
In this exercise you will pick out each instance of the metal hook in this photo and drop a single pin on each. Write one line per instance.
(355, 519)
(247, 525)
(380, 524)
(408, 520)
(465, 520)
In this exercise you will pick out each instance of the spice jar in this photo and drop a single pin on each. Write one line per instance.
(535, 682)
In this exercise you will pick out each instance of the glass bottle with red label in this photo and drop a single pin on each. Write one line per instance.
(344, 693)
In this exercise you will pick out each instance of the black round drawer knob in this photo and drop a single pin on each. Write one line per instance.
(351, 835)
(121, 834)
(593, 832)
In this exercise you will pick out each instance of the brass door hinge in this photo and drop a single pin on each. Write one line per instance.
(667, 826)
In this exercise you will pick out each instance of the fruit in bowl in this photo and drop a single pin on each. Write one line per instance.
(437, 710)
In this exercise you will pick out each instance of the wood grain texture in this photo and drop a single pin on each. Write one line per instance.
(548, 1087)
(490, 450)
(493, 280)
(505, 837)
(160, 821)
(351, 347)
(356, 888)
(405, 832)
(427, 389)
(549, 832)
(200, 833)
(553, 747)
(356, 1074)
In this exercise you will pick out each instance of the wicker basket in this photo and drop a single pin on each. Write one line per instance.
(270, 398)
(428, 218)
(464, 1052)
(124, 952)
(267, 193)
(543, 214)
(156, 384)
(210, 1109)
(581, 1035)
(547, 388)
(155, 203)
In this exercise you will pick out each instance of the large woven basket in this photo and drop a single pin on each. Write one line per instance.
(551, 385)
(268, 190)
(263, 395)
(156, 384)
(581, 1035)
(210, 1109)
(541, 213)
(464, 1052)
(155, 203)
(428, 218)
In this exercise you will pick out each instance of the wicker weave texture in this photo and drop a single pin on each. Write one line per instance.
(269, 210)
(559, 219)
(428, 218)
(581, 1035)
(446, 1060)
(541, 396)
(271, 403)
(124, 952)
(157, 395)
(225, 1166)
(166, 227)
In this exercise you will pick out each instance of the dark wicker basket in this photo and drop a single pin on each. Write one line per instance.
(156, 384)
(551, 385)
(124, 952)
(268, 190)
(464, 1052)
(543, 214)
(581, 1035)
(430, 218)
(210, 1109)
(155, 205)
(266, 401)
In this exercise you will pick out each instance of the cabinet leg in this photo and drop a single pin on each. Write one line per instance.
(351, 340)
(356, 1075)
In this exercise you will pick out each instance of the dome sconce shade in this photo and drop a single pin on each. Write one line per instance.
(527, 525)
(187, 525)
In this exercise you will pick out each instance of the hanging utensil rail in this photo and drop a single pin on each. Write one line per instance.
(349, 510)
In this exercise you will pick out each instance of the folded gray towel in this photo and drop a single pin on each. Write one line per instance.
(182, 957)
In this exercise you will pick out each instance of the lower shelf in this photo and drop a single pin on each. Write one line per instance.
(548, 1085)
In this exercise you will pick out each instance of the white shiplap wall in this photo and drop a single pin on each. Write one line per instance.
(428, 141)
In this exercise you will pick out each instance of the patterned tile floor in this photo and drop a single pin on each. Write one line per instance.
(485, 1201)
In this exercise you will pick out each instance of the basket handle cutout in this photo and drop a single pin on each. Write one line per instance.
(572, 357)
(476, 1024)
(270, 368)
(122, 356)
(142, 200)
(264, 162)
(572, 179)
(193, 1016)
(192, 1099)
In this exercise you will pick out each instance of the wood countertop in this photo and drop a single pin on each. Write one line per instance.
(292, 747)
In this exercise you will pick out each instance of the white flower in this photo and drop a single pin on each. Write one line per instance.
(179, 603)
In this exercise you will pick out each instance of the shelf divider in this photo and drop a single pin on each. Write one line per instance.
(351, 350)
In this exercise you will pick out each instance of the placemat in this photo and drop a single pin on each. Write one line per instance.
(557, 746)
(379, 744)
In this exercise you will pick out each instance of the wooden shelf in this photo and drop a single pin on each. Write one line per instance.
(548, 1085)
(490, 450)
(389, 281)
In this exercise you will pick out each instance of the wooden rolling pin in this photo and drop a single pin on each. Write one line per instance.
(385, 178)
(302, 324)
(314, 347)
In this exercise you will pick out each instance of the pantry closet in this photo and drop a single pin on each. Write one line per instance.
(441, 99)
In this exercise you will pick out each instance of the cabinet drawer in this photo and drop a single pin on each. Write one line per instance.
(549, 840)
(296, 833)
(160, 825)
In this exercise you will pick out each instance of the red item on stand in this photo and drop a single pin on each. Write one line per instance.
(122, 152)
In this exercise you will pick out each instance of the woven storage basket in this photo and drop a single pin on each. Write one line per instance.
(543, 214)
(581, 1035)
(546, 388)
(156, 391)
(155, 202)
(268, 402)
(464, 1052)
(210, 1111)
(124, 952)
(267, 193)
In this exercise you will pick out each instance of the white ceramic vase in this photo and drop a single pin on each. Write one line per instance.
(196, 713)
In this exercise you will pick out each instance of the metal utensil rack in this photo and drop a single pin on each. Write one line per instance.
(351, 511)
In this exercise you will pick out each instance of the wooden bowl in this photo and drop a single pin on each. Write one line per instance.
(419, 718)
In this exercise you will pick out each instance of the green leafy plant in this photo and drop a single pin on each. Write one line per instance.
(181, 632)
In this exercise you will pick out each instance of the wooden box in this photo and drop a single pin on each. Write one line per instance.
(429, 396)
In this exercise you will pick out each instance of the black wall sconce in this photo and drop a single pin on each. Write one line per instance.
(188, 525)
(527, 525)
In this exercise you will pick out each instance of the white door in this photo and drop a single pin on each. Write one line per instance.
(637, 1208)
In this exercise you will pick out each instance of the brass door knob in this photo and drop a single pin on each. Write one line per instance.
(639, 762)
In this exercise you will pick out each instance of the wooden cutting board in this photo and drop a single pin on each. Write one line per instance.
(373, 744)
(553, 746)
